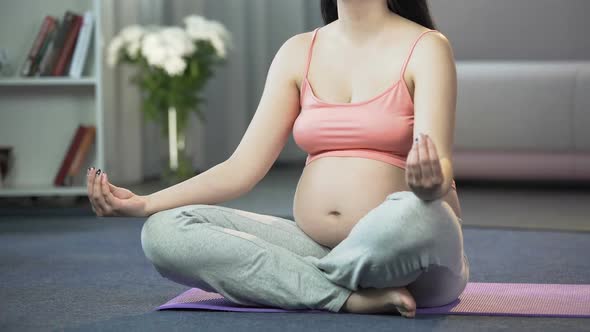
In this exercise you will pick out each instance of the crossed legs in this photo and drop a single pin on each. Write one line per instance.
(261, 260)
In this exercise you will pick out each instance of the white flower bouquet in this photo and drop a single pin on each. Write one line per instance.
(174, 63)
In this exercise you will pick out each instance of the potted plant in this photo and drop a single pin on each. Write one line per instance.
(173, 64)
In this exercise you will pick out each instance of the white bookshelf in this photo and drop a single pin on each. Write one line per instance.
(39, 115)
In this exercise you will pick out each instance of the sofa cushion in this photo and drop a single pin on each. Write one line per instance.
(516, 105)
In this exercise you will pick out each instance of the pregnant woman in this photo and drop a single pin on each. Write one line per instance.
(371, 98)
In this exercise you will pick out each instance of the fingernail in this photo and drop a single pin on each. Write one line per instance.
(98, 172)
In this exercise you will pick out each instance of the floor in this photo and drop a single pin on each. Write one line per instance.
(61, 268)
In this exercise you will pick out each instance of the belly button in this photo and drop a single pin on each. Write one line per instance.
(334, 213)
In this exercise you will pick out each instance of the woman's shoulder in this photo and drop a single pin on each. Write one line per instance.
(299, 42)
(297, 46)
(413, 30)
(293, 53)
(434, 42)
(426, 43)
(431, 51)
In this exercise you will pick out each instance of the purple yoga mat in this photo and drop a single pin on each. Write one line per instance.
(478, 298)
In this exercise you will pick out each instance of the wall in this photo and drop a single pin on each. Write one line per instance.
(515, 29)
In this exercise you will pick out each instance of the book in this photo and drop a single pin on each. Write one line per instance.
(30, 63)
(81, 154)
(35, 71)
(58, 43)
(69, 156)
(44, 62)
(67, 50)
(82, 45)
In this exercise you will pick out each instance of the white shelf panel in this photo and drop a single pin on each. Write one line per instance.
(42, 191)
(44, 81)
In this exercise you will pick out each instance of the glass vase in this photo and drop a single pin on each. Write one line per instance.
(179, 165)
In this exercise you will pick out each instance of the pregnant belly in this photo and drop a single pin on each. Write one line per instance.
(334, 193)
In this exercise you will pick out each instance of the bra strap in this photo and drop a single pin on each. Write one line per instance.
(405, 65)
(310, 51)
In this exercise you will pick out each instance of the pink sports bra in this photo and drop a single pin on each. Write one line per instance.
(380, 128)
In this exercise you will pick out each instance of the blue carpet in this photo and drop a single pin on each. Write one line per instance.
(78, 273)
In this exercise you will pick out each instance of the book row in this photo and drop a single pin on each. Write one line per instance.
(61, 47)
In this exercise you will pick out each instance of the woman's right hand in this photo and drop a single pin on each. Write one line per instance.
(108, 200)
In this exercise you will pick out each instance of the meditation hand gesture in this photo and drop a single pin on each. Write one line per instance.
(423, 170)
(109, 200)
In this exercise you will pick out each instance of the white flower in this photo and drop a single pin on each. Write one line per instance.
(128, 40)
(220, 30)
(113, 50)
(174, 66)
(132, 33)
(178, 41)
(132, 49)
(166, 48)
(200, 28)
(153, 49)
(196, 27)
(218, 45)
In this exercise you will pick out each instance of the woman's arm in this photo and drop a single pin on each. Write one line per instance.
(435, 95)
(265, 137)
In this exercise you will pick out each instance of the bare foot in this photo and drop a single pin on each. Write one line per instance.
(403, 301)
(381, 300)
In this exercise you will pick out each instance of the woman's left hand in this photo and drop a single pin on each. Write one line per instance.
(423, 170)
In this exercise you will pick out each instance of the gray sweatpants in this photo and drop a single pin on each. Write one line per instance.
(261, 260)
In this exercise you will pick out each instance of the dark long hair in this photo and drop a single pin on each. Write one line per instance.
(414, 10)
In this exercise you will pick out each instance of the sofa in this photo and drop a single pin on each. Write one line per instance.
(522, 120)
